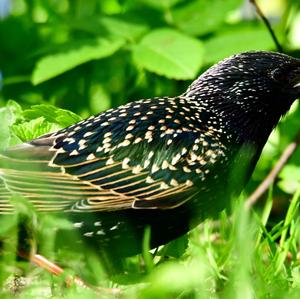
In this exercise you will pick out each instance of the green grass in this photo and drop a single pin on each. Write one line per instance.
(235, 256)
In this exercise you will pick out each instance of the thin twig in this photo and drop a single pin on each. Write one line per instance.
(270, 178)
(268, 25)
(44, 263)
(54, 269)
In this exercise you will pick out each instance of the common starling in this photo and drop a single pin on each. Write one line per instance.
(164, 163)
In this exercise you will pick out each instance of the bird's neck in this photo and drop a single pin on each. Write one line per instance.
(245, 113)
(237, 122)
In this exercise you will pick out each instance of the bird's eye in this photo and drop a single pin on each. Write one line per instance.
(286, 74)
(278, 74)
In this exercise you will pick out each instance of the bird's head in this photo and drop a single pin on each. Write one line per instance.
(252, 87)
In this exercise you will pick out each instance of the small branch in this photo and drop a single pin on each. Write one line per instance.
(54, 269)
(270, 178)
(268, 25)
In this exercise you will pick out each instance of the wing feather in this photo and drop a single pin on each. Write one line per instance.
(114, 161)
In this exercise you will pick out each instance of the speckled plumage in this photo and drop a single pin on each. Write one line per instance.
(165, 162)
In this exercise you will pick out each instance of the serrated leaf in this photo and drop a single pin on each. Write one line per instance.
(201, 17)
(169, 53)
(52, 114)
(8, 116)
(33, 129)
(73, 55)
(15, 108)
(236, 41)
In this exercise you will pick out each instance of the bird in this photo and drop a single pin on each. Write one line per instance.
(165, 163)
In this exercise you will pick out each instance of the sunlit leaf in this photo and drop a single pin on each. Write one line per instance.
(201, 17)
(236, 41)
(73, 55)
(289, 179)
(52, 114)
(33, 129)
(129, 30)
(169, 53)
(119, 26)
(8, 116)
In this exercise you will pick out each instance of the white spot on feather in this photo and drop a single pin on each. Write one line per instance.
(114, 227)
(88, 234)
(137, 140)
(163, 186)
(125, 163)
(137, 169)
(189, 183)
(173, 183)
(90, 157)
(78, 224)
(129, 128)
(87, 134)
(74, 153)
(165, 165)
(60, 151)
(149, 180)
(154, 168)
(146, 163)
(99, 149)
(186, 169)
(175, 159)
(110, 161)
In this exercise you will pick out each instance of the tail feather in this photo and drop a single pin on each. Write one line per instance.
(48, 189)
(5, 204)
(24, 170)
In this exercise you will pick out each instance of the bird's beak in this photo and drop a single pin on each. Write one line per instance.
(297, 85)
(296, 80)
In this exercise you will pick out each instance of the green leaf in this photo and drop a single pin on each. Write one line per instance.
(161, 4)
(73, 55)
(175, 248)
(52, 114)
(201, 17)
(289, 179)
(33, 129)
(236, 41)
(15, 109)
(8, 116)
(126, 29)
(169, 53)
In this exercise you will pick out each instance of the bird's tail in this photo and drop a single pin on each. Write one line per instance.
(5, 195)
(30, 178)
(25, 172)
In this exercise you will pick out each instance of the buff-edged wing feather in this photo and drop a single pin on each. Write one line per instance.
(142, 159)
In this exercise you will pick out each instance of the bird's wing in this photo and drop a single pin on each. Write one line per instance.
(109, 163)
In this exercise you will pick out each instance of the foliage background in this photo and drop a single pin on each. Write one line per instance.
(83, 57)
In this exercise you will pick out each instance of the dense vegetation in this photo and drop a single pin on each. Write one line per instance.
(64, 60)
